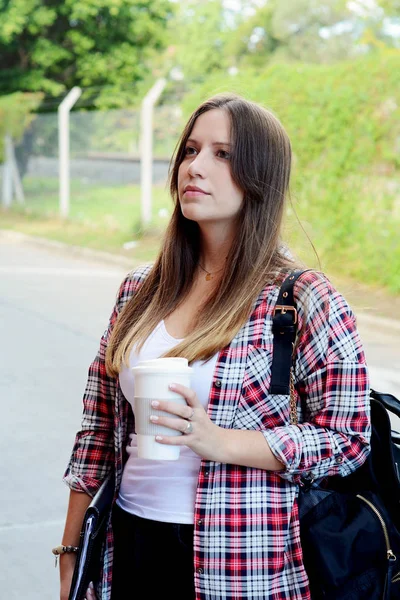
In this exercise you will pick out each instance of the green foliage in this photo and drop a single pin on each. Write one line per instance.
(391, 7)
(344, 123)
(254, 40)
(103, 45)
(16, 114)
(197, 38)
(298, 24)
(310, 31)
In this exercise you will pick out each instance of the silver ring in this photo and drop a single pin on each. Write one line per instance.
(189, 428)
(192, 415)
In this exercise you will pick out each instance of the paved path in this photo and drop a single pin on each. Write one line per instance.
(53, 310)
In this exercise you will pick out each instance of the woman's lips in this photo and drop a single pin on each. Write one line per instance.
(193, 191)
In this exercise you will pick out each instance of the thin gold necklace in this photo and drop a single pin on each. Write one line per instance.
(209, 275)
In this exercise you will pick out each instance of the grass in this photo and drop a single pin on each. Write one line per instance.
(106, 218)
(102, 218)
(354, 223)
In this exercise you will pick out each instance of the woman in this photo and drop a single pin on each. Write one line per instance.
(209, 297)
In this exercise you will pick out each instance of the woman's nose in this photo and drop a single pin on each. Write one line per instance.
(197, 167)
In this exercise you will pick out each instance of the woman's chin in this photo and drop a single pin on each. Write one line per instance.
(192, 215)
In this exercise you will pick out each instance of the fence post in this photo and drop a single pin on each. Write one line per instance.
(63, 147)
(16, 180)
(146, 148)
(7, 191)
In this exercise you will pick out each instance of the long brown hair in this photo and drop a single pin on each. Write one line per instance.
(260, 166)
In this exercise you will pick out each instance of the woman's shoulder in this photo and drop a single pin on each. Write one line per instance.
(316, 287)
(307, 280)
(313, 284)
(139, 274)
(321, 306)
(314, 290)
(131, 283)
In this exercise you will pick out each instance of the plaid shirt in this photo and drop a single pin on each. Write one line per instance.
(246, 527)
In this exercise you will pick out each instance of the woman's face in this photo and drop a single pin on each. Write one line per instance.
(206, 190)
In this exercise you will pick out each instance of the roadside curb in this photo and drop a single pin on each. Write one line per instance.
(98, 255)
(124, 261)
(392, 324)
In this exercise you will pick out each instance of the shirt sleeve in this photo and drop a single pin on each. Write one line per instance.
(332, 388)
(93, 453)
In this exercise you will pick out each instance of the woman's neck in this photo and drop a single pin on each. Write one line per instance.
(214, 251)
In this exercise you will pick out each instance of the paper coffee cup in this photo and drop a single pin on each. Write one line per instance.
(152, 378)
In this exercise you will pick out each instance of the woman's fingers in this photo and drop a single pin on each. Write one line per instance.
(190, 416)
(181, 425)
(199, 433)
(186, 412)
(187, 393)
(90, 593)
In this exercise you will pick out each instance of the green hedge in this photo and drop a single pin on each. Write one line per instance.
(344, 123)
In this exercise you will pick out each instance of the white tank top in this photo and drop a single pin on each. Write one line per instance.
(158, 489)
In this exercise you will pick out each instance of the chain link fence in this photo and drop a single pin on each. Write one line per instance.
(104, 164)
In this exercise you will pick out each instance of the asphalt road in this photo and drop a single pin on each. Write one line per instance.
(53, 310)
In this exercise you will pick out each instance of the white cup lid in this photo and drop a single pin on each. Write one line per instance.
(155, 362)
(163, 365)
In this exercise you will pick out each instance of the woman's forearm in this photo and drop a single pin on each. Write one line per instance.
(78, 503)
(249, 449)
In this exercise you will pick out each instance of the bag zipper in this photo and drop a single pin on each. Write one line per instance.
(389, 552)
(391, 557)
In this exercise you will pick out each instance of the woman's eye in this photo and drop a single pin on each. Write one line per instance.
(190, 150)
(223, 154)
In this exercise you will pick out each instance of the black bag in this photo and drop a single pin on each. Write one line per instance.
(93, 530)
(349, 526)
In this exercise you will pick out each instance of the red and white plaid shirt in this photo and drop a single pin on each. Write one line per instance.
(246, 528)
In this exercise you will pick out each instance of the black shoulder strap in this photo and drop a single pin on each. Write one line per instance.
(284, 327)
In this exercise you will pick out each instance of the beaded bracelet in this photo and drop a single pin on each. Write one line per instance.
(64, 549)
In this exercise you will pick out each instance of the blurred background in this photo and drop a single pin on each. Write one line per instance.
(329, 69)
(84, 195)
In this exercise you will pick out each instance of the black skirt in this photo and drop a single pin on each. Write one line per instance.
(152, 556)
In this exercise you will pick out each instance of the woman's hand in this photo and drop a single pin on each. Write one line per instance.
(200, 433)
(90, 593)
(67, 565)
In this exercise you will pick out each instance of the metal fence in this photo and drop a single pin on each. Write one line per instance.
(104, 157)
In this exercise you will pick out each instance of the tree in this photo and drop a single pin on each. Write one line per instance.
(391, 7)
(103, 45)
(254, 41)
(312, 31)
(198, 37)
(307, 31)
(16, 114)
